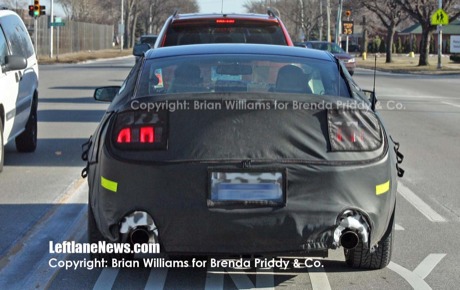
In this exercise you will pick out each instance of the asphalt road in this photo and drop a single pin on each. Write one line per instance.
(43, 199)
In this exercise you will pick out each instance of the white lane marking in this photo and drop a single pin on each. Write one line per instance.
(451, 104)
(398, 227)
(106, 279)
(419, 204)
(157, 279)
(63, 222)
(416, 278)
(319, 280)
(427, 265)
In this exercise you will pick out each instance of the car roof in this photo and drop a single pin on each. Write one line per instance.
(5, 12)
(246, 16)
(319, 41)
(237, 48)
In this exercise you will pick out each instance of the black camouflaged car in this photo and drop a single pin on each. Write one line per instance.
(243, 149)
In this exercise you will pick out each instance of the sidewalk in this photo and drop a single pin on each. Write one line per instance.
(84, 56)
(402, 63)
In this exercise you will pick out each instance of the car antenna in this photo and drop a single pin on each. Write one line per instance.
(270, 12)
(374, 100)
(175, 12)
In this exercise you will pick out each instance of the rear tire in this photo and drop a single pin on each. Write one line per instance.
(27, 141)
(361, 258)
(2, 147)
(95, 236)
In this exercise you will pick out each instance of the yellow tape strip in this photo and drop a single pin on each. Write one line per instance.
(382, 188)
(109, 184)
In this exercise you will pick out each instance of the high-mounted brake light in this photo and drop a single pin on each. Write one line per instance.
(353, 130)
(225, 21)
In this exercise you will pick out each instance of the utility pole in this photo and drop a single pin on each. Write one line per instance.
(364, 42)
(302, 21)
(321, 20)
(338, 27)
(328, 13)
(121, 29)
(51, 27)
(440, 39)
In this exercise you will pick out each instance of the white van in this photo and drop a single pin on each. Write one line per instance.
(18, 85)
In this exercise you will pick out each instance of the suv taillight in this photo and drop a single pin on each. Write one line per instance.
(354, 130)
(140, 130)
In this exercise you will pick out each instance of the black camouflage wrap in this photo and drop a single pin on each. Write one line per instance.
(172, 185)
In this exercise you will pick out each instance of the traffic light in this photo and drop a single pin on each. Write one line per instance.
(36, 8)
(348, 13)
(31, 10)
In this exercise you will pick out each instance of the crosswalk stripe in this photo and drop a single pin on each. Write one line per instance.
(157, 279)
(106, 279)
(319, 280)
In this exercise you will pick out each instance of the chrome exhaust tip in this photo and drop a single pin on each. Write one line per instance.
(141, 236)
(349, 240)
(352, 228)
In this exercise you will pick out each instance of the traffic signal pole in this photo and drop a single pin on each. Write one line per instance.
(439, 40)
(338, 26)
(36, 35)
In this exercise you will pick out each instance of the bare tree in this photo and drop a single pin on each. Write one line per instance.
(156, 14)
(421, 11)
(390, 16)
(15, 4)
(89, 10)
(299, 16)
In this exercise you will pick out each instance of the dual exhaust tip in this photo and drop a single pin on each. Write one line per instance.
(349, 239)
(141, 236)
(351, 230)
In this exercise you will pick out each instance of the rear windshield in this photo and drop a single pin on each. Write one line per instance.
(225, 31)
(331, 47)
(240, 73)
(148, 39)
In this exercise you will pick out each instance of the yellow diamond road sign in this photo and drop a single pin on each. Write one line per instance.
(440, 17)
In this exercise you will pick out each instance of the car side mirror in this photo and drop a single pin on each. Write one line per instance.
(371, 97)
(140, 49)
(14, 62)
(106, 94)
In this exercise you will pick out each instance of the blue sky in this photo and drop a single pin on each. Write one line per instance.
(207, 6)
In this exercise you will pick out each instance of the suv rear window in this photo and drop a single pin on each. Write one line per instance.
(224, 30)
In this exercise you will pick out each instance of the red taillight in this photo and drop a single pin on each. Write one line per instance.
(147, 135)
(140, 130)
(225, 21)
(339, 135)
(124, 136)
(354, 130)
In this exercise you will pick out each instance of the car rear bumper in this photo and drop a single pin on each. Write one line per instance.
(175, 196)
